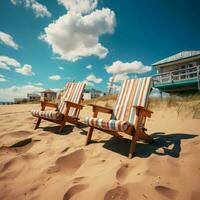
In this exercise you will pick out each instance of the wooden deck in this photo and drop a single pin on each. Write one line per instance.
(178, 80)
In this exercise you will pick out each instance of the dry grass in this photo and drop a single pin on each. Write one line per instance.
(187, 104)
(104, 98)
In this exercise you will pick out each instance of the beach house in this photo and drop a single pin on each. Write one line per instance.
(48, 95)
(92, 93)
(33, 97)
(178, 73)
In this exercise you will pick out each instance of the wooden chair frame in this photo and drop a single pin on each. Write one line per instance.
(137, 131)
(66, 117)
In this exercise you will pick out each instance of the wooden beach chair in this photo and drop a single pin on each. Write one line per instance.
(129, 114)
(66, 110)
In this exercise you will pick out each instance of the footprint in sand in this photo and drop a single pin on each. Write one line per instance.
(12, 168)
(118, 193)
(74, 190)
(195, 195)
(21, 146)
(122, 172)
(78, 179)
(167, 192)
(22, 143)
(65, 150)
(70, 163)
(18, 134)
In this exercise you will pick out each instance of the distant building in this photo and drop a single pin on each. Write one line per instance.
(178, 73)
(92, 93)
(33, 97)
(48, 95)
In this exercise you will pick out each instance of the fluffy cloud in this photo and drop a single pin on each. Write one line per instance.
(2, 78)
(6, 62)
(55, 77)
(88, 83)
(8, 40)
(79, 6)
(93, 78)
(88, 67)
(74, 36)
(39, 84)
(133, 67)
(38, 9)
(25, 70)
(8, 94)
(61, 68)
(119, 77)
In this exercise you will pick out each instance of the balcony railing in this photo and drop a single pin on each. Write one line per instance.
(191, 73)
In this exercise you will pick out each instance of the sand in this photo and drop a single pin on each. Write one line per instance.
(41, 164)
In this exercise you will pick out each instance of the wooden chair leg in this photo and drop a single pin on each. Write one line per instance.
(61, 128)
(133, 146)
(89, 136)
(143, 136)
(38, 123)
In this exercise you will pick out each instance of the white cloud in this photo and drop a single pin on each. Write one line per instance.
(8, 40)
(61, 68)
(88, 67)
(38, 9)
(88, 83)
(6, 62)
(132, 67)
(79, 6)
(56, 89)
(2, 78)
(74, 36)
(94, 79)
(55, 77)
(39, 84)
(8, 94)
(25, 70)
(119, 77)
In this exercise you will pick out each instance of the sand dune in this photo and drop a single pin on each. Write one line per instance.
(41, 164)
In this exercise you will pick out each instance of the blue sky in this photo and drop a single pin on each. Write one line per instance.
(57, 39)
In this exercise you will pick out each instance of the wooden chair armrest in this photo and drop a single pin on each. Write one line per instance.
(48, 104)
(143, 111)
(74, 105)
(102, 109)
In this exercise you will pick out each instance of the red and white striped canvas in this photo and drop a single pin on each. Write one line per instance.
(73, 92)
(134, 92)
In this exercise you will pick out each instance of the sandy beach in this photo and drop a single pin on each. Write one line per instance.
(41, 164)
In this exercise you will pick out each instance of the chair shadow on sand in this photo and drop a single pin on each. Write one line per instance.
(67, 129)
(170, 144)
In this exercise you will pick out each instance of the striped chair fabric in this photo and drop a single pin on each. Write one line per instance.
(134, 92)
(55, 115)
(73, 93)
(116, 125)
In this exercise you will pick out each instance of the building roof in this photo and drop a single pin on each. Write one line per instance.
(48, 91)
(178, 56)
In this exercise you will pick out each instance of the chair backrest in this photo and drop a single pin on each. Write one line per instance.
(134, 92)
(73, 92)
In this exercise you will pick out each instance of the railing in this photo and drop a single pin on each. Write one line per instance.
(178, 75)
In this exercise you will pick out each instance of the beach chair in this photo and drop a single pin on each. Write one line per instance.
(129, 114)
(67, 108)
